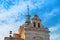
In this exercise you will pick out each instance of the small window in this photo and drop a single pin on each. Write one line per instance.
(38, 25)
(34, 24)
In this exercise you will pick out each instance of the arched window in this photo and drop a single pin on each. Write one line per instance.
(34, 24)
(38, 25)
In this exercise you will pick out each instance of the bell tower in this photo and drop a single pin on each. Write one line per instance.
(36, 22)
(34, 30)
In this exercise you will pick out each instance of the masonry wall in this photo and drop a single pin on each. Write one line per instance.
(31, 35)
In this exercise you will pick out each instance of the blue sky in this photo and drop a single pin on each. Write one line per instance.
(12, 15)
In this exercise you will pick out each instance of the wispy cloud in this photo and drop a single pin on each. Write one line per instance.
(54, 32)
(47, 16)
(55, 37)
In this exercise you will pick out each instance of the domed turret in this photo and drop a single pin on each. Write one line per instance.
(27, 16)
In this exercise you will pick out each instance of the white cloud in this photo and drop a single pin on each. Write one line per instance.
(55, 37)
(6, 16)
(54, 32)
(54, 28)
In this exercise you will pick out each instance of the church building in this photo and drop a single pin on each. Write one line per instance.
(32, 29)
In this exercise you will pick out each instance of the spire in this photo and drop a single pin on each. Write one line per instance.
(27, 16)
(27, 9)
